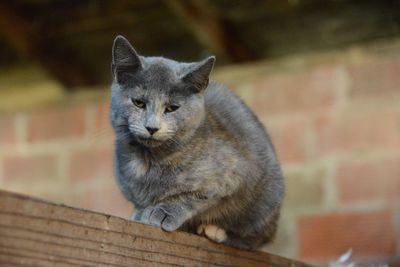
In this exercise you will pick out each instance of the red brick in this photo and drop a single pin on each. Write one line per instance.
(310, 91)
(358, 132)
(375, 79)
(289, 140)
(363, 181)
(102, 120)
(30, 168)
(59, 194)
(56, 124)
(91, 165)
(7, 131)
(105, 197)
(328, 236)
(103, 127)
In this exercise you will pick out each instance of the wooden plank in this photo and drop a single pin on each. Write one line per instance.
(37, 233)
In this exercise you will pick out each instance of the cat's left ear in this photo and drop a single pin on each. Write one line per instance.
(198, 74)
(125, 60)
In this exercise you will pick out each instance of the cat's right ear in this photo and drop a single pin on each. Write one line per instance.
(198, 74)
(125, 60)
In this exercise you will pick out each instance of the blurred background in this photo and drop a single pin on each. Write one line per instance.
(323, 76)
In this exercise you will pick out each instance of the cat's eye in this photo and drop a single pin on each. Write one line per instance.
(139, 103)
(171, 108)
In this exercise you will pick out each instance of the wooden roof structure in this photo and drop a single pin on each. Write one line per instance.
(72, 39)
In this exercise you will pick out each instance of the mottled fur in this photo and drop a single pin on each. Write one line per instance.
(210, 162)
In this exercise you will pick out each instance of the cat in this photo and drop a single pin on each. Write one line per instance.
(189, 154)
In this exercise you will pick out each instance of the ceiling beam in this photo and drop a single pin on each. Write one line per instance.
(211, 29)
(65, 67)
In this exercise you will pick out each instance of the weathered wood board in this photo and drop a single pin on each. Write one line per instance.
(37, 233)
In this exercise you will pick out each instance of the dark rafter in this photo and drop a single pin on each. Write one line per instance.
(210, 29)
(33, 45)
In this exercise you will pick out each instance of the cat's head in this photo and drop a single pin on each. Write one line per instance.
(155, 100)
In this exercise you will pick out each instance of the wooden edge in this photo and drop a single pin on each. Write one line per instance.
(36, 232)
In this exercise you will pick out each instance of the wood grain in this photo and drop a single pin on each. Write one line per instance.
(37, 233)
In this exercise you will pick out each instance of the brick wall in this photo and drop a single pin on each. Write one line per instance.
(334, 119)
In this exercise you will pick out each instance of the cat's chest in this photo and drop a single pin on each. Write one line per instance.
(137, 167)
(147, 181)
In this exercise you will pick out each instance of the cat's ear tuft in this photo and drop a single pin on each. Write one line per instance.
(198, 74)
(125, 60)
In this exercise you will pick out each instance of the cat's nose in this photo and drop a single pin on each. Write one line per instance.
(152, 130)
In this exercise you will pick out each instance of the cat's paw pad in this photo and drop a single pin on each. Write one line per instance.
(162, 216)
(212, 232)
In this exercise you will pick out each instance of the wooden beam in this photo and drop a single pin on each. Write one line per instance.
(211, 30)
(33, 45)
(37, 233)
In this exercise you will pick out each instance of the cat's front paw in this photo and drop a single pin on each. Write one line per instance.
(168, 217)
(136, 216)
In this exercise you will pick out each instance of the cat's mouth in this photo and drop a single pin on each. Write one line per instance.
(150, 141)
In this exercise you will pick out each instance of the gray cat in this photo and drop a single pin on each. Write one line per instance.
(190, 155)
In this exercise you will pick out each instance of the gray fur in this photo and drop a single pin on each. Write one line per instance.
(210, 162)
